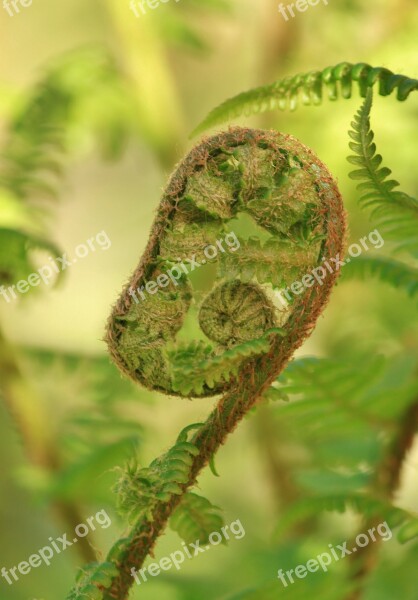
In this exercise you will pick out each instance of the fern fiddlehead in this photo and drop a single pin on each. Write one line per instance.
(286, 192)
(239, 176)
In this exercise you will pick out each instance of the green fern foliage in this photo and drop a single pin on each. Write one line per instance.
(140, 489)
(17, 251)
(394, 212)
(271, 262)
(362, 504)
(39, 132)
(49, 120)
(92, 581)
(196, 518)
(338, 413)
(333, 399)
(191, 375)
(393, 272)
(309, 87)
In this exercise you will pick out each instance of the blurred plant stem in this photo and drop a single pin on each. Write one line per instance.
(268, 432)
(386, 482)
(279, 38)
(145, 60)
(33, 426)
(273, 445)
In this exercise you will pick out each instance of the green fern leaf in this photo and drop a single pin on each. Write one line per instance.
(140, 489)
(189, 378)
(196, 518)
(16, 254)
(330, 391)
(92, 581)
(275, 394)
(408, 532)
(286, 93)
(38, 137)
(394, 212)
(362, 504)
(395, 273)
(272, 262)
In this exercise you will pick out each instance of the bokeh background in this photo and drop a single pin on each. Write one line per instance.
(134, 89)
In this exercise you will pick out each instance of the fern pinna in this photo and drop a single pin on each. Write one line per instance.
(337, 81)
(273, 196)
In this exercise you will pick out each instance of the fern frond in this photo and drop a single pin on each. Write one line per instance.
(40, 131)
(329, 390)
(189, 378)
(285, 190)
(140, 489)
(92, 581)
(39, 135)
(16, 254)
(195, 518)
(275, 394)
(271, 262)
(393, 272)
(394, 212)
(309, 87)
(362, 504)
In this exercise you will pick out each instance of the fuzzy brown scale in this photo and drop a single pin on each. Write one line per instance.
(287, 192)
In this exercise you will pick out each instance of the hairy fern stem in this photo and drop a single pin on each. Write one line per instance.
(285, 190)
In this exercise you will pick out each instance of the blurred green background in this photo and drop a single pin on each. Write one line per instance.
(133, 91)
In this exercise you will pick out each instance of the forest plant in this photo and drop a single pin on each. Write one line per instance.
(246, 339)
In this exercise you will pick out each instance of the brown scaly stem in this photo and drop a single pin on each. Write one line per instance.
(254, 379)
(387, 482)
(211, 436)
(25, 408)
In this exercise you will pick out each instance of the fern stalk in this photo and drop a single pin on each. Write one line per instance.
(386, 483)
(253, 381)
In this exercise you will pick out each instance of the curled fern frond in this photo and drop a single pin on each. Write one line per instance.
(283, 187)
(309, 88)
(268, 177)
(394, 212)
